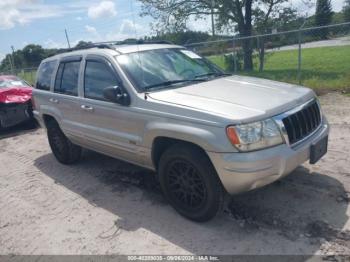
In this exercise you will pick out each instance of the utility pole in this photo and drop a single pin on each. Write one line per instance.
(299, 51)
(65, 30)
(212, 18)
(10, 61)
(13, 58)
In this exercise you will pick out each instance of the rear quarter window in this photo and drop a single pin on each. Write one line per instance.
(45, 73)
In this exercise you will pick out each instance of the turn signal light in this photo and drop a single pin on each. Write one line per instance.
(232, 135)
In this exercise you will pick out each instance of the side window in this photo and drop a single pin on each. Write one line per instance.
(44, 75)
(98, 76)
(67, 78)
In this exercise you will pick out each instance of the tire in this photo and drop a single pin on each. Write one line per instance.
(62, 148)
(190, 182)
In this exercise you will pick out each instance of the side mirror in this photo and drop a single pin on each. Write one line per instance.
(117, 95)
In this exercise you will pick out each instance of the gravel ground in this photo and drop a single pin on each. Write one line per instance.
(105, 206)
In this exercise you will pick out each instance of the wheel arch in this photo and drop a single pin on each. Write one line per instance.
(158, 136)
(48, 118)
(162, 143)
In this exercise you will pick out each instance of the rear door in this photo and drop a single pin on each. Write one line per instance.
(109, 127)
(65, 96)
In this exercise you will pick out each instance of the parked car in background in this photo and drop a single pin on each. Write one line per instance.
(15, 101)
(165, 108)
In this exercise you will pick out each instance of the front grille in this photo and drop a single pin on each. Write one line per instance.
(302, 123)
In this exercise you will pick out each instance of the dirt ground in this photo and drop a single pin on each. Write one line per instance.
(105, 206)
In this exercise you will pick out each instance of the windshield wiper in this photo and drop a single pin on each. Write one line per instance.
(212, 74)
(172, 82)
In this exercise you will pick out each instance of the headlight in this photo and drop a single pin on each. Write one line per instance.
(253, 136)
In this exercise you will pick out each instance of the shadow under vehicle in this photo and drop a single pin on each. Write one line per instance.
(305, 209)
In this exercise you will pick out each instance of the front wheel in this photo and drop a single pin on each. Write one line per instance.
(190, 183)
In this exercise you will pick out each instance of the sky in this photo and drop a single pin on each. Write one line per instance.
(44, 21)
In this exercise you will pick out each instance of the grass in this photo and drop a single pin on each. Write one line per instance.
(29, 76)
(324, 68)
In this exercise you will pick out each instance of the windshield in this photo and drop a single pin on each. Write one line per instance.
(12, 82)
(164, 68)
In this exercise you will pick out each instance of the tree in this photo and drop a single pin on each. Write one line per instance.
(281, 19)
(181, 37)
(346, 11)
(82, 44)
(323, 16)
(172, 15)
(18, 59)
(30, 56)
(6, 64)
(33, 54)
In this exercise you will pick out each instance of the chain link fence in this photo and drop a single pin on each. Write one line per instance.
(318, 57)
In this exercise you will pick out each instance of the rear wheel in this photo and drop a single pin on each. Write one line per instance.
(62, 148)
(190, 183)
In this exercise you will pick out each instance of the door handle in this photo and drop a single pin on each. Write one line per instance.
(53, 100)
(87, 108)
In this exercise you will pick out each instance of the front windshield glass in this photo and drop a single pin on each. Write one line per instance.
(164, 68)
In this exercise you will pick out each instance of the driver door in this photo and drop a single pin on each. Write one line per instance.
(108, 127)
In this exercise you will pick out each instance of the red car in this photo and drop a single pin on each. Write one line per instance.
(15, 101)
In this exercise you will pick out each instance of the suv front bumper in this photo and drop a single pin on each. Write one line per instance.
(240, 172)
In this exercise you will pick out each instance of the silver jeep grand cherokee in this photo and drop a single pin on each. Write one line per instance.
(167, 109)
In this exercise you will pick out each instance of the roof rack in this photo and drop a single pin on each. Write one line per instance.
(134, 42)
(142, 42)
(87, 46)
(112, 44)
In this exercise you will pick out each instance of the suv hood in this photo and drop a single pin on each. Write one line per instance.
(238, 98)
